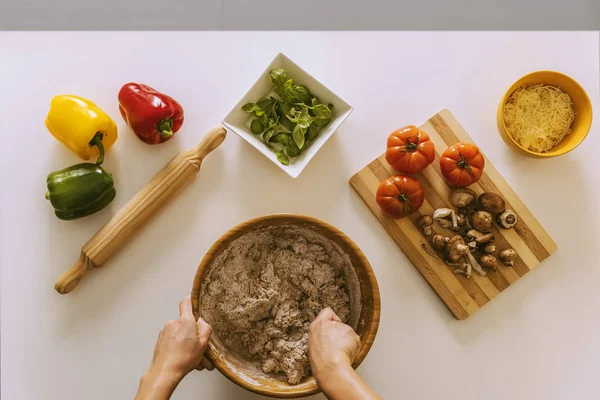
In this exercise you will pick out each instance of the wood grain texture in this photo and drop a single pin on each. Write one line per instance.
(180, 171)
(238, 370)
(462, 296)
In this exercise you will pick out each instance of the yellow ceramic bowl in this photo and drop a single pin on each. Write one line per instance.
(581, 102)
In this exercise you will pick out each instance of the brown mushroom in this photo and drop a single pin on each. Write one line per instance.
(475, 265)
(460, 222)
(482, 221)
(439, 242)
(508, 257)
(463, 211)
(490, 248)
(464, 271)
(469, 270)
(488, 261)
(478, 237)
(456, 248)
(491, 202)
(424, 222)
(462, 197)
(456, 256)
(461, 268)
(456, 239)
(445, 217)
(507, 219)
(457, 264)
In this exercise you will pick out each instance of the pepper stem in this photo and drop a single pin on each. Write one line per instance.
(165, 128)
(97, 141)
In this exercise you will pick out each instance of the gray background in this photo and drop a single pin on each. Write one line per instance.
(299, 14)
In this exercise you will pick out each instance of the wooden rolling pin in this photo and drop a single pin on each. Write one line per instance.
(175, 175)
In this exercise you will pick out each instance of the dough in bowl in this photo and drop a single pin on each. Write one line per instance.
(263, 291)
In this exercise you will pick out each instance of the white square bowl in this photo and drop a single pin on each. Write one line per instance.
(238, 121)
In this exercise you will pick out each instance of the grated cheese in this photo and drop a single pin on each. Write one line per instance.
(538, 117)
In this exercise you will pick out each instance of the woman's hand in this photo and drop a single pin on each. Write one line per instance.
(331, 344)
(332, 348)
(181, 343)
(179, 349)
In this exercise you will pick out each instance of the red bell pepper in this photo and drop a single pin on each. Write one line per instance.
(153, 116)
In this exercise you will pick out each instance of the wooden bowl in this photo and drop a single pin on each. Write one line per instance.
(581, 103)
(249, 377)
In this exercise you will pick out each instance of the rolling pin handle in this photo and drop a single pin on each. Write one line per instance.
(211, 141)
(71, 277)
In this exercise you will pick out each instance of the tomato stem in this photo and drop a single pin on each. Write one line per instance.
(410, 147)
(462, 163)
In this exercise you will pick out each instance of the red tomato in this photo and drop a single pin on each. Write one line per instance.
(409, 150)
(462, 164)
(399, 196)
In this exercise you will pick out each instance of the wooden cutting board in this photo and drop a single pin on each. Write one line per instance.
(462, 296)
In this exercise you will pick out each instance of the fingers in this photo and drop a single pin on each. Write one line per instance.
(204, 330)
(356, 349)
(327, 314)
(335, 317)
(185, 310)
(353, 347)
(205, 363)
(357, 343)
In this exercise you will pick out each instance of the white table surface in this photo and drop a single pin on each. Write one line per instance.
(537, 340)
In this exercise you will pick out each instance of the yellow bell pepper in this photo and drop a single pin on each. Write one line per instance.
(81, 126)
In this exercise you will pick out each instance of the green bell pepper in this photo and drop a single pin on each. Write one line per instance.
(79, 190)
